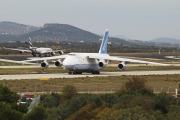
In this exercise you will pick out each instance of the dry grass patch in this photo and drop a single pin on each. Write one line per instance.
(90, 83)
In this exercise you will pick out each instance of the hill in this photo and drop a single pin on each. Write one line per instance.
(65, 32)
(12, 32)
(11, 28)
(166, 40)
(61, 32)
(49, 33)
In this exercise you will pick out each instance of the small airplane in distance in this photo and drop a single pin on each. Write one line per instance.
(77, 63)
(37, 50)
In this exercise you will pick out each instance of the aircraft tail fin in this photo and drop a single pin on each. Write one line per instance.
(103, 48)
(30, 42)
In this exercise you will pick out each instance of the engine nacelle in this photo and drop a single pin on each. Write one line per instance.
(58, 63)
(122, 66)
(53, 53)
(101, 64)
(61, 52)
(21, 52)
(44, 64)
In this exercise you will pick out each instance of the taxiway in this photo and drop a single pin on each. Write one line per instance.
(66, 75)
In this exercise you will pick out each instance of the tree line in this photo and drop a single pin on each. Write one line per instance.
(134, 100)
(87, 47)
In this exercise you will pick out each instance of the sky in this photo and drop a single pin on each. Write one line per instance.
(134, 19)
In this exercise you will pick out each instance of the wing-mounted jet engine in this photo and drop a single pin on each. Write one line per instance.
(53, 53)
(58, 63)
(102, 63)
(45, 64)
(122, 66)
(61, 52)
(21, 52)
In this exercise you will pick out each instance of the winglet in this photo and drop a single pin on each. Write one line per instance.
(103, 48)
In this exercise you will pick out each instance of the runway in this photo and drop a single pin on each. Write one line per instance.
(104, 74)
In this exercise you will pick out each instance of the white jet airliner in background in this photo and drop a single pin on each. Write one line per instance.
(37, 50)
(77, 63)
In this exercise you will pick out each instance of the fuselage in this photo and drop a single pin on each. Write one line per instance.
(80, 62)
(41, 50)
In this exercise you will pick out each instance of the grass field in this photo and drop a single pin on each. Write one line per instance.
(112, 83)
(2, 63)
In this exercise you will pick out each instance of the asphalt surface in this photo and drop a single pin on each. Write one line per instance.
(14, 57)
(66, 75)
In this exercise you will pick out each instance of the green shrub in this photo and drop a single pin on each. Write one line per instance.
(69, 91)
(135, 86)
(37, 113)
(163, 101)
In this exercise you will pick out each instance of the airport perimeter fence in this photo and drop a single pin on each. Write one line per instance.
(173, 90)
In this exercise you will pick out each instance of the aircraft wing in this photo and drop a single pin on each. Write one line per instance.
(125, 60)
(13, 61)
(46, 58)
(17, 49)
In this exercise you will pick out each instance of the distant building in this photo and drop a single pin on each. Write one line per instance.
(11, 42)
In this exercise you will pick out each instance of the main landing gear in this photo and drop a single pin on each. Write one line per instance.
(95, 72)
(74, 72)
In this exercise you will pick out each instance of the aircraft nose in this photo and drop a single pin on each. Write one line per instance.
(69, 63)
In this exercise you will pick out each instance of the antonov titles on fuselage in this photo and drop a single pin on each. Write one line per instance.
(37, 50)
(77, 63)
